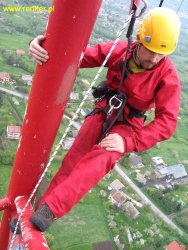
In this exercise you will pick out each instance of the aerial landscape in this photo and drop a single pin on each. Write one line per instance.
(143, 203)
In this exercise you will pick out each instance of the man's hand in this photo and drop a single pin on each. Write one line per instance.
(39, 54)
(113, 142)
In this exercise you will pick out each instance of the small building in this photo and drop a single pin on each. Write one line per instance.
(183, 181)
(136, 161)
(13, 132)
(27, 79)
(85, 112)
(157, 161)
(67, 143)
(73, 114)
(74, 96)
(174, 245)
(20, 52)
(141, 178)
(117, 197)
(117, 185)
(176, 171)
(89, 95)
(129, 236)
(75, 133)
(4, 77)
(130, 210)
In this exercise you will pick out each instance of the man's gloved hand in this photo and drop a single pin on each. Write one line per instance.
(39, 54)
(113, 142)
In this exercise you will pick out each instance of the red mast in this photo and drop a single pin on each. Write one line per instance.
(67, 35)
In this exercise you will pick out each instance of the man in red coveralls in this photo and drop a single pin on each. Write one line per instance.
(151, 81)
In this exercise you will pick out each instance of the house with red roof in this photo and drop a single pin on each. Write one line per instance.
(174, 245)
(13, 132)
(20, 52)
(4, 77)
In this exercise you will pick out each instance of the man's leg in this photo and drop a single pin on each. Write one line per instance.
(85, 175)
(88, 136)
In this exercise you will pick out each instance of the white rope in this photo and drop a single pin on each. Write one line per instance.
(68, 128)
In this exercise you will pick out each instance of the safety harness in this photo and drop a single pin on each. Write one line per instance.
(116, 99)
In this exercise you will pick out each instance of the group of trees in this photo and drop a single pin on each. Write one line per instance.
(22, 62)
(167, 202)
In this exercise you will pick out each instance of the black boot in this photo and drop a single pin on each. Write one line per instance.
(12, 225)
(42, 218)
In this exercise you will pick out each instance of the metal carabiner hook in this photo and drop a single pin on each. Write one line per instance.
(116, 105)
(143, 9)
(116, 99)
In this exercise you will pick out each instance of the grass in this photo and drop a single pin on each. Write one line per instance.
(4, 179)
(88, 219)
(14, 42)
(182, 221)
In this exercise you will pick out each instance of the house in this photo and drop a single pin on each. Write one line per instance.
(20, 52)
(183, 181)
(129, 236)
(141, 178)
(136, 161)
(130, 210)
(13, 132)
(85, 82)
(117, 185)
(176, 171)
(27, 79)
(85, 112)
(74, 96)
(4, 77)
(75, 133)
(157, 161)
(174, 245)
(89, 95)
(67, 143)
(117, 197)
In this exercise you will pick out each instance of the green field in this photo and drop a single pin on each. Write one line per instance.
(87, 218)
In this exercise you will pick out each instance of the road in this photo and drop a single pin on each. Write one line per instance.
(15, 93)
(155, 209)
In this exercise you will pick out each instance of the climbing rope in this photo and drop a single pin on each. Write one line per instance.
(68, 128)
(179, 6)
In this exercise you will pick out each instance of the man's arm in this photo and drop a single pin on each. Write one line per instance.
(39, 54)
(95, 56)
(167, 104)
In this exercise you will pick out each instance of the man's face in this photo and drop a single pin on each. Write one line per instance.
(147, 58)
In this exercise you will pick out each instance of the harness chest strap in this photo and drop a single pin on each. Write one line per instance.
(116, 102)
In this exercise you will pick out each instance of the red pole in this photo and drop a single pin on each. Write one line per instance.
(32, 238)
(67, 35)
(4, 203)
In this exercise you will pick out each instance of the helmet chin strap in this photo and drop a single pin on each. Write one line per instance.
(136, 55)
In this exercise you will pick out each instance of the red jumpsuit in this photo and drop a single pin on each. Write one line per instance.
(86, 162)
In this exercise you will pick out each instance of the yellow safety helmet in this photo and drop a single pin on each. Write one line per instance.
(159, 30)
